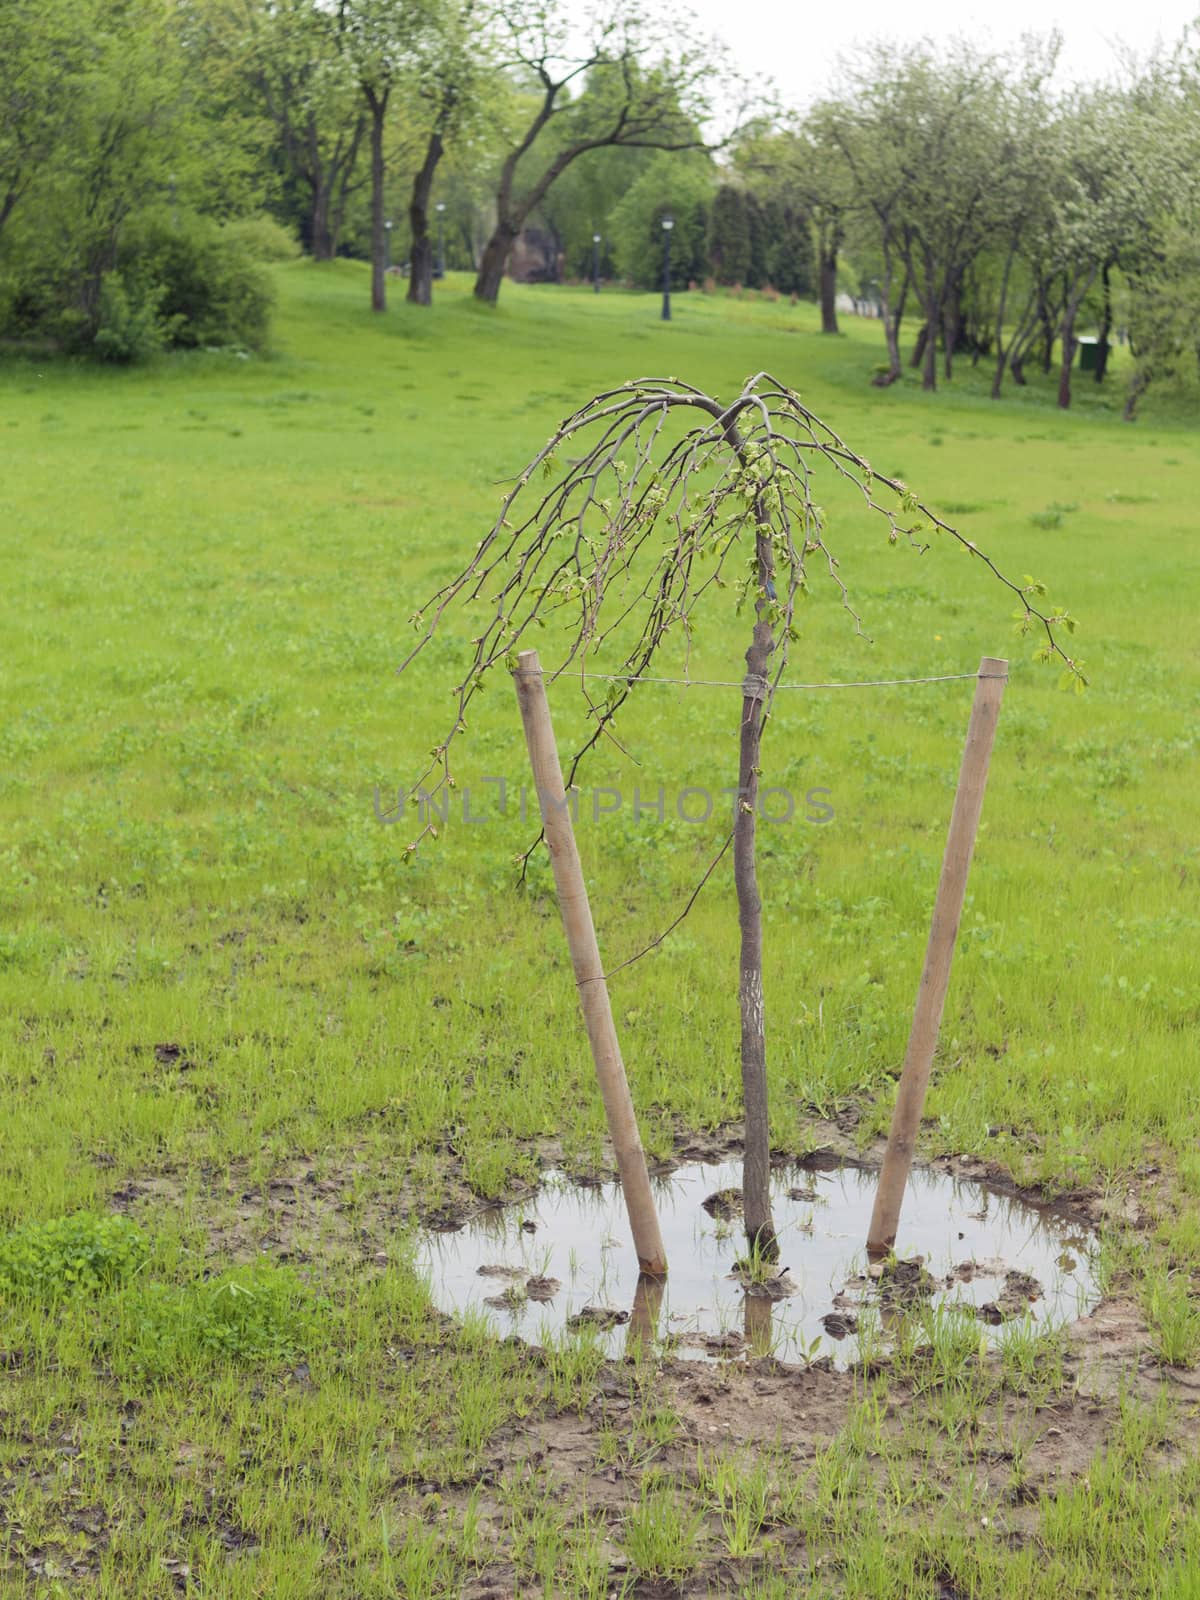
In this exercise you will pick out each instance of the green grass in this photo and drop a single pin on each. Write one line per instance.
(206, 573)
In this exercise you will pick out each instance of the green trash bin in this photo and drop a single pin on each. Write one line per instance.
(1089, 354)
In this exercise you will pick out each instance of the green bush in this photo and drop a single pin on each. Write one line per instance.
(681, 186)
(262, 238)
(213, 289)
(183, 281)
(129, 327)
(66, 1255)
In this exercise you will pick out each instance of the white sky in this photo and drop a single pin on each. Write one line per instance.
(796, 42)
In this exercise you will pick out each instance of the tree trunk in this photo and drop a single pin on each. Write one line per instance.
(1068, 356)
(918, 352)
(378, 104)
(891, 328)
(951, 329)
(929, 371)
(1047, 336)
(420, 264)
(1106, 321)
(321, 241)
(1137, 388)
(829, 262)
(493, 261)
(1001, 309)
(898, 319)
(756, 1172)
(891, 335)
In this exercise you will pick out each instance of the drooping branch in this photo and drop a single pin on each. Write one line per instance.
(661, 501)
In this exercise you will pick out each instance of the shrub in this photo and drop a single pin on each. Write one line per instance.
(213, 290)
(66, 1255)
(128, 325)
(262, 238)
(675, 184)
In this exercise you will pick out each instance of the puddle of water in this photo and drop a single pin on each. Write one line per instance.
(563, 1258)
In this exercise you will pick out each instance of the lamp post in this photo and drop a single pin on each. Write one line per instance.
(667, 224)
(596, 262)
(387, 245)
(440, 208)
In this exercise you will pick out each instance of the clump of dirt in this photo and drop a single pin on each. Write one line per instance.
(903, 1284)
(776, 1286)
(1019, 1293)
(602, 1317)
(725, 1205)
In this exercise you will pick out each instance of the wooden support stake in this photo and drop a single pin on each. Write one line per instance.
(585, 956)
(935, 976)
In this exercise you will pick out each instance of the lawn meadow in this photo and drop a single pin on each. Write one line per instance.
(241, 1029)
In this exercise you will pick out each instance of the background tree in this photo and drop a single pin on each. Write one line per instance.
(808, 172)
(788, 255)
(450, 62)
(584, 200)
(46, 48)
(641, 88)
(1095, 202)
(678, 186)
(875, 174)
(729, 234)
(147, 172)
(291, 54)
(1159, 258)
(380, 41)
(937, 113)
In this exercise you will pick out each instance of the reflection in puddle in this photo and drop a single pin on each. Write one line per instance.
(562, 1259)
